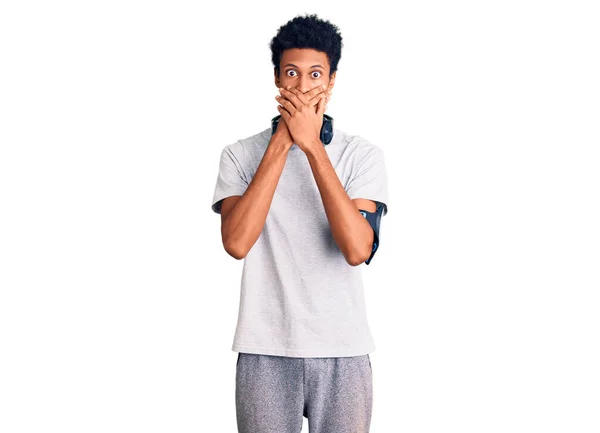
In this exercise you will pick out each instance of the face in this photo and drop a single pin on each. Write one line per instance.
(304, 69)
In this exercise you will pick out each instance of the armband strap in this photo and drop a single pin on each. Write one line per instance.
(374, 219)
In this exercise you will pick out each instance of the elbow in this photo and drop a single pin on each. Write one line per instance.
(234, 250)
(356, 259)
(358, 256)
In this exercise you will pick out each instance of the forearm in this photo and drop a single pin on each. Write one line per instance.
(351, 231)
(245, 221)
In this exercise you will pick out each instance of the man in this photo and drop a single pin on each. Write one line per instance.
(303, 214)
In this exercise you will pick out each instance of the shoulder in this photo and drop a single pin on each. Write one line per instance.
(243, 147)
(359, 146)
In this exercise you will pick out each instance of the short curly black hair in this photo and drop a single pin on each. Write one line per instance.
(308, 31)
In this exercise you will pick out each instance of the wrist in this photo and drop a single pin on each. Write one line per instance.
(281, 142)
(314, 148)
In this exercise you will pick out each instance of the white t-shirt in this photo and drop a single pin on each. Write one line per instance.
(299, 297)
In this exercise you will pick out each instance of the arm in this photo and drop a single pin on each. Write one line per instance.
(243, 217)
(351, 231)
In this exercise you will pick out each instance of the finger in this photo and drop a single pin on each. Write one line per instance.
(284, 113)
(322, 104)
(292, 95)
(301, 96)
(286, 104)
(315, 91)
(325, 100)
(315, 99)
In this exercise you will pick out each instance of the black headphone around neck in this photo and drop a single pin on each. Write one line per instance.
(326, 128)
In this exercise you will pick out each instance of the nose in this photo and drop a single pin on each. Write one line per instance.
(304, 85)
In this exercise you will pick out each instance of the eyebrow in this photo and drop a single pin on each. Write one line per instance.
(313, 66)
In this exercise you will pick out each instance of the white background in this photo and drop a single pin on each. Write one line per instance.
(118, 303)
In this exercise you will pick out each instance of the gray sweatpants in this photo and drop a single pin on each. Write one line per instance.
(273, 393)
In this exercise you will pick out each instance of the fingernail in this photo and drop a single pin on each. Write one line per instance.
(288, 87)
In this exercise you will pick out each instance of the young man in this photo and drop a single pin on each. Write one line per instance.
(303, 212)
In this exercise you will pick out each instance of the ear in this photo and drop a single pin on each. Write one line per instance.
(277, 82)
(332, 80)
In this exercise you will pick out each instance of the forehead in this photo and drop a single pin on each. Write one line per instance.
(304, 58)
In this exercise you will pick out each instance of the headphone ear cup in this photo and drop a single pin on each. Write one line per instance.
(327, 129)
(274, 123)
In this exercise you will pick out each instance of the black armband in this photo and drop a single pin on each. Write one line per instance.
(374, 219)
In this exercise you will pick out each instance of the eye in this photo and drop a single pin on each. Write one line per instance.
(288, 72)
(316, 72)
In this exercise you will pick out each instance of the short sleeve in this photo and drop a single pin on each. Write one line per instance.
(369, 180)
(230, 180)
